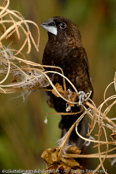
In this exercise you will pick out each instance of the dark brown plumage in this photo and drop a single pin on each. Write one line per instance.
(64, 49)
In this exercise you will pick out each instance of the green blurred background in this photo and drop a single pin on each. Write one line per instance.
(23, 134)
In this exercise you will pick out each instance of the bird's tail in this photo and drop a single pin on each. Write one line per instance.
(74, 140)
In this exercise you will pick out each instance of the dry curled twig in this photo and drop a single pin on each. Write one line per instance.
(16, 24)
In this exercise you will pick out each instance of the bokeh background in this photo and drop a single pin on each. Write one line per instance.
(23, 134)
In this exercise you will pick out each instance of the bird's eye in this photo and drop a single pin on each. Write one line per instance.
(62, 25)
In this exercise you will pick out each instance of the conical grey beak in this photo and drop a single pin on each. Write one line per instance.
(50, 26)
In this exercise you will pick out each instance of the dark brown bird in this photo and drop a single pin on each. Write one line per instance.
(64, 49)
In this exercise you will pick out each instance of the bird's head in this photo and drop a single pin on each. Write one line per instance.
(62, 29)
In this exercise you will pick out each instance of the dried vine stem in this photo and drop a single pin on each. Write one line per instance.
(16, 22)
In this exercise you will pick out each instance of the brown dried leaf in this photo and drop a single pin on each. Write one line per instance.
(70, 162)
(64, 165)
(14, 80)
(113, 136)
(50, 156)
(74, 150)
(59, 89)
(72, 96)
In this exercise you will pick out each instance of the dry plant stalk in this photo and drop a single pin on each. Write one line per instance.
(99, 118)
(16, 23)
(20, 75)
